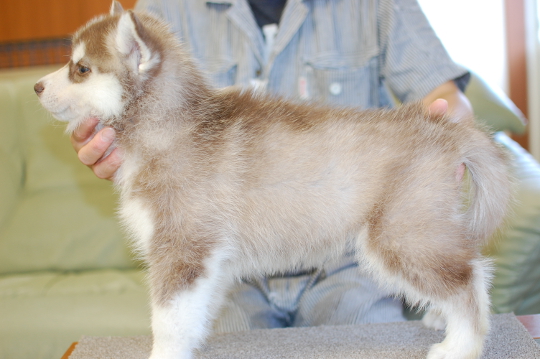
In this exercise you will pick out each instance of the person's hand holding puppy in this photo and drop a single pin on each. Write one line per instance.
(91, 149)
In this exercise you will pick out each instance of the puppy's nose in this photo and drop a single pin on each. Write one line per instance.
(39, 88)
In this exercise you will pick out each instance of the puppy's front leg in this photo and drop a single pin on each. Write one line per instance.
(181, 317)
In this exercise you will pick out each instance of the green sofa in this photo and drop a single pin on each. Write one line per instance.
(66, 269)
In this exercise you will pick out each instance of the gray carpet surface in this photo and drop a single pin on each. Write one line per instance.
(508, 339)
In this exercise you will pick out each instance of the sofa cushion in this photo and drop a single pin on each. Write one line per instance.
(42, 314)
(11, 160)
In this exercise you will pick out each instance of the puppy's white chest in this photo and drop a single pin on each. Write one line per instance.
(135, 214)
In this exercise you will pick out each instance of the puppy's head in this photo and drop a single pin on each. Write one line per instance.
(113, 57)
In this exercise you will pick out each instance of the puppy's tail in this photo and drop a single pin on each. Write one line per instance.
(491, 191)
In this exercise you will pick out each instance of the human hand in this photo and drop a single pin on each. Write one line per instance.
(439, 107)
(457, 105)
(92, 148)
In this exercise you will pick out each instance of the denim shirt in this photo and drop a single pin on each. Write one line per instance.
(344, 52)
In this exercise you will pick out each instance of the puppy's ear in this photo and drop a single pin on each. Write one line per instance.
(130, 42)
(116, 8)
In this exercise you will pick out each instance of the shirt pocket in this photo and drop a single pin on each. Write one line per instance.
(341, 80)
(222, 72)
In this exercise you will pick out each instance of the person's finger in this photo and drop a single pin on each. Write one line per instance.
(92, 151)
(83, 133)
(439, 107)
(107, 167)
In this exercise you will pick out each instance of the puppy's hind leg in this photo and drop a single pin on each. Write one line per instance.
(434, 319)
(466, 313)
(425, 254)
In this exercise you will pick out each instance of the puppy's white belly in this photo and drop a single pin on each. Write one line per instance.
(270, 255)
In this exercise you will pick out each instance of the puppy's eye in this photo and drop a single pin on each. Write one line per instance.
(83, 70)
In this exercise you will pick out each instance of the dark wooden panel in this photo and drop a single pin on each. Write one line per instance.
(37, 19)
(517, 61)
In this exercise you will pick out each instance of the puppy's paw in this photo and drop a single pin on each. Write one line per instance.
(434, 319)
(438, 351)
(444, 351)
(170, 354)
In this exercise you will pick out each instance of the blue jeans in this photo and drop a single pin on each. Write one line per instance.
(340, 294)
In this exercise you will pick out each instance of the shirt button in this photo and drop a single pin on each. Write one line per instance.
(335, 88)
(258, 73)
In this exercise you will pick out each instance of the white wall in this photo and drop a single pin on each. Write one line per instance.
(473, 32)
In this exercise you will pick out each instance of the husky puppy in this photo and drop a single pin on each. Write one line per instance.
(222, 184)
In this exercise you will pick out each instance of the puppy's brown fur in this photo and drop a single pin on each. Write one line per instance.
(223, 184)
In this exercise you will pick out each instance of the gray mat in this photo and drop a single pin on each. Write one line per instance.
(508, 339)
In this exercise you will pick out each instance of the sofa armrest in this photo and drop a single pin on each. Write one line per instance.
(493, 107)
(516, 250)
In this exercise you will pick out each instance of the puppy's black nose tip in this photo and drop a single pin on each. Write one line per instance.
(38, 88)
